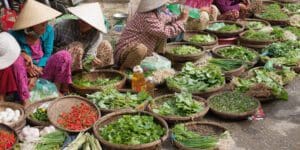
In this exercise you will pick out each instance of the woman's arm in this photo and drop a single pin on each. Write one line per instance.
(47, 41)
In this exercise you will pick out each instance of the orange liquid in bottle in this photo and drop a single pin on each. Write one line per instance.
(138, 80)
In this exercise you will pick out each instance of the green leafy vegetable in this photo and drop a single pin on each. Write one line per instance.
(197, 79)
(238, 52)
(191, 139)
(51, 141)
(182, 104)
(229, 28)
(111, 98)
(97, 83)
(227, 64)
(276, 34)
(292, 7)
(232, 102)
(40, 114)
(274, 12)
(184, 50)
(202, 38)
(132, 130)
(294, 30)
(87, 63)
(282, 76)
(255, 25)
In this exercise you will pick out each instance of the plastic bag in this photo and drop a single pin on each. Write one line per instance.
(155, 62)
(43, 90)
(176, 9)
(8, 19)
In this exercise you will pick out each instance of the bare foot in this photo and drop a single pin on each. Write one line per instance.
(26, 103)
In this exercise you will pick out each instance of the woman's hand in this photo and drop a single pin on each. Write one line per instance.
(34, 71)
(97, 62)
(27, 59)
(184, 16)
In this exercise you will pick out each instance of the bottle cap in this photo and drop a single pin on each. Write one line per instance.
(150, 79)
(138, 69)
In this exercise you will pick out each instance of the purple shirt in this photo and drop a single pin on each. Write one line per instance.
(227, 5)
(37, 51)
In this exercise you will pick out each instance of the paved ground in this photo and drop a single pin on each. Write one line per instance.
(280, 130)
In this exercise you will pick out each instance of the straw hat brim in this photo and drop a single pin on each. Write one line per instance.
(149, 5)
(34, 13)
(91, 14)
(12, 50)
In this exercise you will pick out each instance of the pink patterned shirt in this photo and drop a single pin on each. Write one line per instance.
(149, 29)
(37, 51)
(199, 3)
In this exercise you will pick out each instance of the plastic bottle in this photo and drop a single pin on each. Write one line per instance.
(149, 86)
(138, 79)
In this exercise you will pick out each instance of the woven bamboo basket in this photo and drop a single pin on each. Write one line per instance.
(30, 109)
(182, 58)
(206, 46)
(288, 1)
(247, 20)
(217, 48)
(227, 34)
(140, 107)
(92, 76)
(65, 104)
(283, 22)
(203, 128)
(114, 117)
(204, 94)
(235, 72)
(11, 130)
(22, 119)
(173, 118)
(233, 116)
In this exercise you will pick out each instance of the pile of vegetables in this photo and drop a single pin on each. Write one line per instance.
(9, 116)
(274, 12)
(111, 98)
(238, 52)
(285, 53)
(88, 63)
(192, 139)
(80, 117)
(277, 33)
(40, 113)
(202, 38)
(84, 141)
(282, 76)
(184, 50)
(7, 139)
(294, 30)
(223, 27)
(99, 82)
(255, 25)
(227, 64)
(292, 7)
(51, 141)
(132, 130)
(261, 77)
(197, 79)
(232, 102)
(32, 134)
(182, 104)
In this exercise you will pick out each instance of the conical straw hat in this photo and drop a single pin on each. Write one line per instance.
(9, 50)
(90, 13)
(34, 13)
(148, 5)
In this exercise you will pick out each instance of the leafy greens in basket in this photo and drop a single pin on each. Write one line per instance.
(202, 38)
(238, 52)
(97, 83)
(184, 50)
(182, 104)
(274, 12)
(197, 79)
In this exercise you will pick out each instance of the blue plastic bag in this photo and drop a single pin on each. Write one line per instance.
(43, 89)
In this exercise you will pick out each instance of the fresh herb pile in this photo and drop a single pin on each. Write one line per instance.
(282, 76)
(184, 50)
(255, 25)
(197, 79)
(97, 83)
(132, 130)
(51, 141)
(261, 77)
(238, 52)
(111, 98)
(274, 12)
(40, 114)
(227, 64)
(80, 117)
(229, 28)
(191, 139)
(182, 104)
(292, 8)
(294, 30)
(232, 102)
(276, 34)
(285, 53)
(202, 38)
(7, 140)
(88, 62)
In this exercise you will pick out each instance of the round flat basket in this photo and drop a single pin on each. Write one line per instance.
(203, 128)
(174, 118)
(9, 129)
(215, 52)
(227, 34)
(32, 107)
(114, 117)
(244, 40)
(247, 20)
(22, 119)
(283, 22)
(233, 116)
(92, 76)
(182, 58)
(189, 34)
(64, 105)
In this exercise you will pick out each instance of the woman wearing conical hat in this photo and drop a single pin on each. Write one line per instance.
(83, 37)
(35, 38)
(147, 32)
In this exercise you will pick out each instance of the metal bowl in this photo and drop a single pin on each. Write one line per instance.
(120, 16)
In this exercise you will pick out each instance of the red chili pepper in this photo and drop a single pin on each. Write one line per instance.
(7, 140)
(80, 117)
